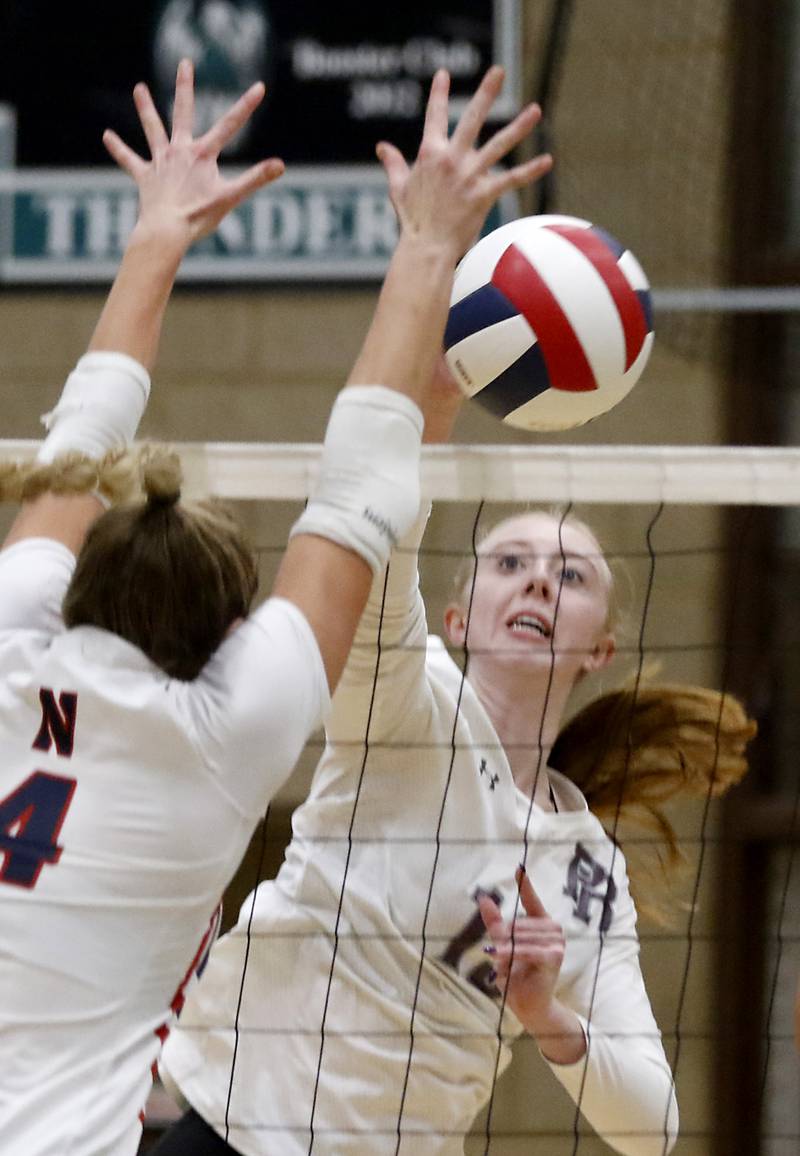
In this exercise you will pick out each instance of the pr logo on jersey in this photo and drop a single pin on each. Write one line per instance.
(588, 882)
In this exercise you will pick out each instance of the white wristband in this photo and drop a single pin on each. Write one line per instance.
(367, 494)
(99, 409)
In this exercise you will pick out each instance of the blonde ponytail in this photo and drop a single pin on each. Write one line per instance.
(117, 477)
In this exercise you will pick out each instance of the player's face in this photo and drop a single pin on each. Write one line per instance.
(540, 598)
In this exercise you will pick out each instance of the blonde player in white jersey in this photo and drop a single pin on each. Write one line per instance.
(144, 732)
(446, 888)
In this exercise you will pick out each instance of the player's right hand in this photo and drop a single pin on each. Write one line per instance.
(526, 954)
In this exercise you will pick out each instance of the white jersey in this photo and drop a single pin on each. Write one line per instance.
(368, 1017)
(126, 802)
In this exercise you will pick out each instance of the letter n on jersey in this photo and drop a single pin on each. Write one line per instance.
(58, 722)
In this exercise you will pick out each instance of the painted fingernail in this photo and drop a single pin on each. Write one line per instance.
(492, 976)
(490, 949)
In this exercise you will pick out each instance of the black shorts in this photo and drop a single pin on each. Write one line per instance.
(191, 1136)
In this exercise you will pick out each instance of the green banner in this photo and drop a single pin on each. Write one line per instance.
(315, 223)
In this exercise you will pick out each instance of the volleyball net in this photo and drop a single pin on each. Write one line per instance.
(706, 539)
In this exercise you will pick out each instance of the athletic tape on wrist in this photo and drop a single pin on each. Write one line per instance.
(367, 494)
(100, 407)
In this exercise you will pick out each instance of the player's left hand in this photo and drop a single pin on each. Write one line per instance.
(454, 181)
(526, 954)
(181, 188)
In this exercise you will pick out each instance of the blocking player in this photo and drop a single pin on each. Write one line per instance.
(144, 731)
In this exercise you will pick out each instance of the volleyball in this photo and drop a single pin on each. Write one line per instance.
(550, 322)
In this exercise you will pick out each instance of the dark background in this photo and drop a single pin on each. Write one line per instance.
(69, 69)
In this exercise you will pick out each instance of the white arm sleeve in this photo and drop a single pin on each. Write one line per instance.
(367, 494)
(100, 407)
(257, 701)
(386, 665)
(623, 1086)
(34, 576)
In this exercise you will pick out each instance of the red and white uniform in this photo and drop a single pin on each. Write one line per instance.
(126, 802)
(367, 1018)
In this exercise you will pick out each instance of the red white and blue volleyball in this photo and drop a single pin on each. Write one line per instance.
(550, 322)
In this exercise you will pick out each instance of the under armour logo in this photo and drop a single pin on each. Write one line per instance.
(483, 769)
(588, 880)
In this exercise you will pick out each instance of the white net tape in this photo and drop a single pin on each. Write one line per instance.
(714, 475)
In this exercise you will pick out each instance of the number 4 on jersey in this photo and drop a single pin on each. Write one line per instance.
(30, 821)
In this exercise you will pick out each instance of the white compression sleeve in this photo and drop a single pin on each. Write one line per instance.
(367, 494)
(99, 409)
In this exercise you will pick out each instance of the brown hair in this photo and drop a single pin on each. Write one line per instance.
(169, 578)
(633, 750)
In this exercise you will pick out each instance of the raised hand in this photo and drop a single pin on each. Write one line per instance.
(181, 187)
(527, 955)
(452, 184)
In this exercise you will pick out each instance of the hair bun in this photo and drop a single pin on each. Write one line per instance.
(161, 478)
